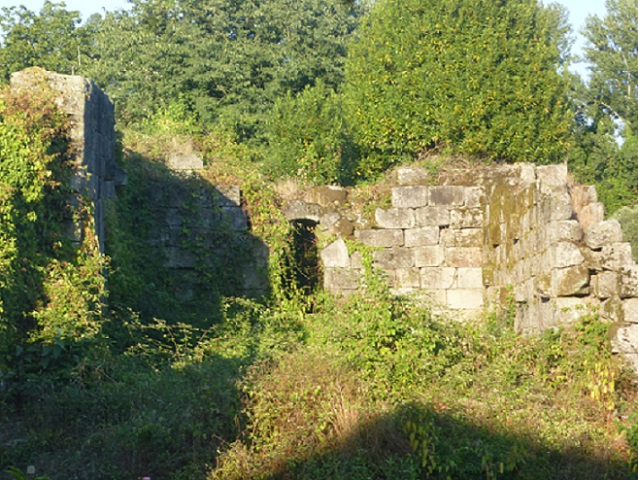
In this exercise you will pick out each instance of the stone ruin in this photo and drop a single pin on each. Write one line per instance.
(92, 120)
(462, 240)
(479, 235)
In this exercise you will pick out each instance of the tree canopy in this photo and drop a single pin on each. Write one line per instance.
(483, 78)
(52, 39)
(606, 146)
(228, 61)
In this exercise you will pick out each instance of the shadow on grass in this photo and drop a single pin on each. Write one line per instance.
(419, 442)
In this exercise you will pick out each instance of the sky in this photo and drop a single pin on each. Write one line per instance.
(578, 12)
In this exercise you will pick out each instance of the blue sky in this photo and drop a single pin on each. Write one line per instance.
(578, 11)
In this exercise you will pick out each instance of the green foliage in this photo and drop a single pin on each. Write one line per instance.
(51, 39)
(49, 291)
(628, 218)
(308, 137)
(230, 61)
(481, 79)
(608, 109)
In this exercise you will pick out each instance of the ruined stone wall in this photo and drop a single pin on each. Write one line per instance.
(91, 119)
(475, 236)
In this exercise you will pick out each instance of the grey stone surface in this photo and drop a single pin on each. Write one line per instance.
(616, 255)
(463, 257)
(565, 254)
(432, 216)
(464, 299)
(605, 284)
(341, 280)
(380, 238)
(431, 256)
(394, 218)
(438, 278)
(410, 197)
(629, 281)
(465, 237)
(630, 310)
(564, 231)
(570, 281)
(407, 176)
(327, 195)
(466, 218)
(603, 233)
(590, 215)
(336, 255)
(446, 195)
(422, 236)
(299, 210)
(393, 258)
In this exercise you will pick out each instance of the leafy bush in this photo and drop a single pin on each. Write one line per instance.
(308, 137)
(628, 218)
(481, 79)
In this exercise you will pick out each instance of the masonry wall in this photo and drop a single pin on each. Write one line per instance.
(474, 236)
(91, 119)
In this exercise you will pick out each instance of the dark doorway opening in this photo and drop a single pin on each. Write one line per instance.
(306, 269)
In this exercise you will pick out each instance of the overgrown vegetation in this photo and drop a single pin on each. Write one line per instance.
(140, 381)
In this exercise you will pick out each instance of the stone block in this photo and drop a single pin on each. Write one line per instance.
(563, 231)
(465, 298)
(569, 310)
(629, 282)
(605, 284)
(328, 220)
(564, 254)
(432, 216)
(466, 217)
(469, 278)
(590, 215)
(446, 195)
(630, 310)
(474, 196)
(463, 257)
(177, 257)
(221, 196)
(335, 255)
(393, 258)
(182, 158)
(523, 292)
(235, 218)
(356, 260)
(431, 256)
(409, 176)
(552, 177)
(394, 218)
(626, 339)
(570, 281)
(327, 195)
(336, 280)
(421, 237)
(380, 238)
(299, 210)
(616, 256)
(466, 237)
(407, 278)
(409, 197)
(556, 207)
(440, 278)
(603, 233)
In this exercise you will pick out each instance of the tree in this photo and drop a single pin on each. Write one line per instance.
(227, 60)
(51, 39)
(606, 148)
(479, 78)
